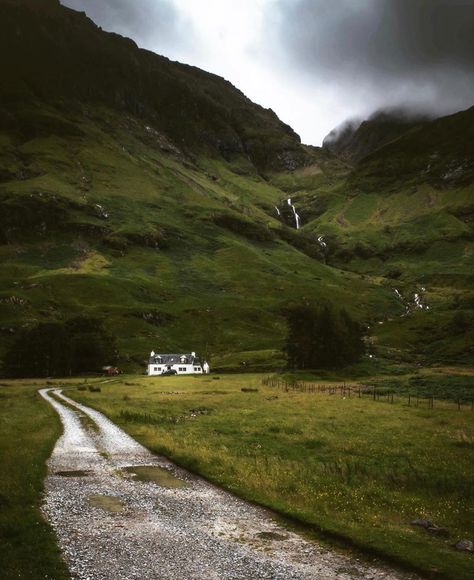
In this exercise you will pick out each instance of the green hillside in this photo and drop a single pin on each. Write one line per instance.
(403, 214)
(153, 196)
(169, 252)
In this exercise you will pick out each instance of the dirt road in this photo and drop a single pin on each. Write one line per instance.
(115, 518)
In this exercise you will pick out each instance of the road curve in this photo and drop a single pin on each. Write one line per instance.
(147, 531)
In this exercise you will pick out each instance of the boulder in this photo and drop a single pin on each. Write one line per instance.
(437, 531)
(422, 523)
(465, 546)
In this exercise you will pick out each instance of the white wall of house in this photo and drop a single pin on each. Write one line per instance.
(180, 368)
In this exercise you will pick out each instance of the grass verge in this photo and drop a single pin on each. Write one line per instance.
(29, 428)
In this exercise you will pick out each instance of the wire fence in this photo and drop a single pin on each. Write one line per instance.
(369, 392)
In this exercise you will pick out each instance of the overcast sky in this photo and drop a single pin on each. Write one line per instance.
(316, 63)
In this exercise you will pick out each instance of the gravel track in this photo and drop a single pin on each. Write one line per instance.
(195, 532)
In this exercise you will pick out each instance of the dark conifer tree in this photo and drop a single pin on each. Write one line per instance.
(60, 349)
(322, 338)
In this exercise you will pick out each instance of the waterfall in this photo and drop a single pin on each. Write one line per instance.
(297, 217)
(278, 211)
(416, 303)
(321, 242)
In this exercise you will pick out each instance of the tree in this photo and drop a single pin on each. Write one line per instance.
(60, 349)
(322, 338)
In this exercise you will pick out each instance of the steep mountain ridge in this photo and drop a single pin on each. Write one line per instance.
(354, 140)
(439, 152)
(58, 55)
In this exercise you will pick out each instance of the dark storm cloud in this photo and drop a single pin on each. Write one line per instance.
(148, 22)
(417, 51)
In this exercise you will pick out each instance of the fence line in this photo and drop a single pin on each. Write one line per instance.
(362, 391)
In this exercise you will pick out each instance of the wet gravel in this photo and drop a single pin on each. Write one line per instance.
(195, 532)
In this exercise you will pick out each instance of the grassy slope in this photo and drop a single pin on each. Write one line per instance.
(191, 255)
(28, 431)
(404, 218)
(195, 250)
(351, 467)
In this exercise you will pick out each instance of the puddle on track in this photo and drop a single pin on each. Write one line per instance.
(154, 474)
(109, 503)
(271, 536)
(76, 473)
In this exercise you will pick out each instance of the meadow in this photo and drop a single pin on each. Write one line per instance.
(352, 470)
(28, 431)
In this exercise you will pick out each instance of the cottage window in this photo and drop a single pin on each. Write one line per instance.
(197, 368)
(182, 369)
(155, 368)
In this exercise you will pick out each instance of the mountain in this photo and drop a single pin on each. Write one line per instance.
(354, 140)
(404, 213)
(57, 55)
(157, 198)
(439, 152)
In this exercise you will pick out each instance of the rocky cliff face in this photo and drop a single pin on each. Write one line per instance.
(57, 55)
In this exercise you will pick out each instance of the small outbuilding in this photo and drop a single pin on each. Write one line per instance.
(180, 364)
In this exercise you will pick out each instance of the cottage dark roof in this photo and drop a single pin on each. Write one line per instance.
(170, 359)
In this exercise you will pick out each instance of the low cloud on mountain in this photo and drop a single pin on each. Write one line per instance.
(383, 52)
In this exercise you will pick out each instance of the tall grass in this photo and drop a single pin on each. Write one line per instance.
(28, 430)
(354, 468)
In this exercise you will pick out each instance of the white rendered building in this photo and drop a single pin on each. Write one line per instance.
(183, 364)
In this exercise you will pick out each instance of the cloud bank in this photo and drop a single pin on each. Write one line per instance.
(418, 53)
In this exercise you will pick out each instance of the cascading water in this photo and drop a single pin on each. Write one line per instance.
(322, 243)
(278, 211)
(297, 217)
(414, 304)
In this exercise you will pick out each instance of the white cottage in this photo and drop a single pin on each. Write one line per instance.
(181, 364)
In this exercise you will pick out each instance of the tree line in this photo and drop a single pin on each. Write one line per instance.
(55, 349)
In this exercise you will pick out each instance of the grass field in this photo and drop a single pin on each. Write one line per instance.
(353, 469)
(28, 430)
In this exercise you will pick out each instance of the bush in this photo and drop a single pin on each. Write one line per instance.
(237, 224)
